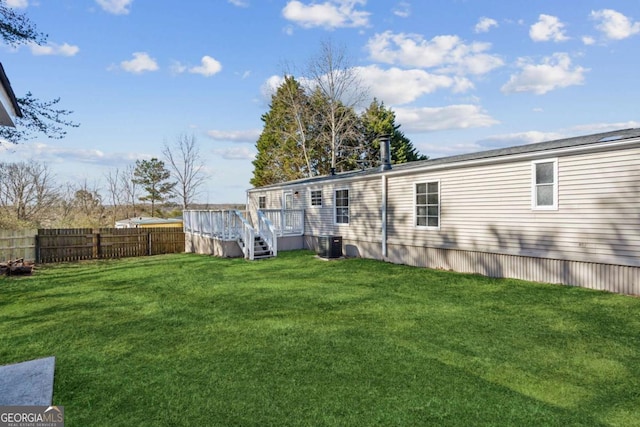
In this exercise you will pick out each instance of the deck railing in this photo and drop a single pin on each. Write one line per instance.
(287, 222)
(221, 224)
(267, 230)
(248, 235)
(229, 225)
(232, 225)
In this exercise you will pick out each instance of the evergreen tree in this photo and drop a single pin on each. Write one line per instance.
(284, 146)
(377, 120)
(296, 141)
(152, 176)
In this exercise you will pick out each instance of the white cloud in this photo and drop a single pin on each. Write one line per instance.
(588, 40)
(117, 7)
(397, 86)
(140, 63)
(249, 136)
(605, 127)
(517, 138)
(178, 68)
(533, 136)
(60, 154)
(485, 24)
(50, 48)
(330, 14)
(403, 9)
(547, 28)
(430, 119)
(239, 3)
(18, 4)
(270, 86)
(449, 53)
(235, 153)
(208, 67)
(393, 86)
(614, 25)
(554, 72)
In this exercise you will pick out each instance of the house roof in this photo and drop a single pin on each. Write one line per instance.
(540, 147)
(9, 106)
(148, 220)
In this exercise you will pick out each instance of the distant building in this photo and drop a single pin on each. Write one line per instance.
(149, 222)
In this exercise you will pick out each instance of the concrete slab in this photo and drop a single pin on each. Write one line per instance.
(27, 383)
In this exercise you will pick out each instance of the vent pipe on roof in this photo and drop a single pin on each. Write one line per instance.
(385, 152)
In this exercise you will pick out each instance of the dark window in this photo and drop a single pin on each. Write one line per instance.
(545, 185)
(428, 204)
(316, 197)
(342, 206)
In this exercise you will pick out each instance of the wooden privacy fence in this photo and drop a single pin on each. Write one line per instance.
(15, 244)
(74, 244)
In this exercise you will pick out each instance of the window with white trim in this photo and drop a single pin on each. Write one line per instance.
(427, 204)
(544, 184)
(262, 202)
(316, 198)
(341, 198)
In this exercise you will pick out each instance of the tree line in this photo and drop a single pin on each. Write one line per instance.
(313, 128)
(30, 197)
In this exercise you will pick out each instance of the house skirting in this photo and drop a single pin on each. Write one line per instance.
(290, 243)
(608, 277)
(199, 244)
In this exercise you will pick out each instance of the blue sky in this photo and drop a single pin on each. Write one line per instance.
(461, 75)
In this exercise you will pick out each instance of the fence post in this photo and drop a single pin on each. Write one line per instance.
(150, 252)
(95, 243)
(38, 257)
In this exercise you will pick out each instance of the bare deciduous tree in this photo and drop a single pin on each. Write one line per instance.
(186, 166)
(115, 193)
(81, 206)
(130, 188)
(331, 74)
(27, 190)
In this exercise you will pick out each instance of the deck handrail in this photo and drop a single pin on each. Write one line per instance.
(267, 230)
(247, 235)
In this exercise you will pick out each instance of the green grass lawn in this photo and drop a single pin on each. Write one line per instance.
(191, 340)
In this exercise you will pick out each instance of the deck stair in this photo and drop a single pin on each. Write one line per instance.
(261, 249)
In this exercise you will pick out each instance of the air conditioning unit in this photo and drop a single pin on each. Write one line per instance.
(330, 246)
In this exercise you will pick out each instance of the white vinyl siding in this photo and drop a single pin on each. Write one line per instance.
(364, 212)
(544, 184)
(488, 208)
(341, 204)
(427, 204)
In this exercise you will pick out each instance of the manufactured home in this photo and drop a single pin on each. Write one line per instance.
(564, 211)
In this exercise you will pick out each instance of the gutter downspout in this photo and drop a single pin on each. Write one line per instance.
(384, 217)
(385, 160)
